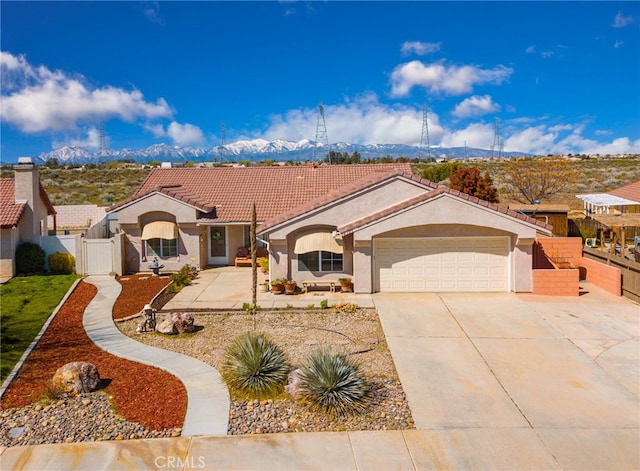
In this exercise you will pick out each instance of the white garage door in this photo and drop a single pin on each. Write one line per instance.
(442, 264)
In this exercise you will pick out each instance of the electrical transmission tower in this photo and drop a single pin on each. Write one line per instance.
(424, 135)
(222, 150)
(497, 142)
(321, 136)
(103, 142)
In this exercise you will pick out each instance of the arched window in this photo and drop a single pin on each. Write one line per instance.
(160, 239)
(319, 251)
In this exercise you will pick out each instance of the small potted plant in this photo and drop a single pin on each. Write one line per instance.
(289, 286)
(345, 284)
(277, 286)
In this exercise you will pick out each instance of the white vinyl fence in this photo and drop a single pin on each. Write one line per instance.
(93, 256)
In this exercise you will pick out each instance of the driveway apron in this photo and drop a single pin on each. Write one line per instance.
(563, 371)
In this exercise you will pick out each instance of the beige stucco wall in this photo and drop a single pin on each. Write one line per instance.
(8, 243)
(193, 244)
(353, 208)
(442, 216)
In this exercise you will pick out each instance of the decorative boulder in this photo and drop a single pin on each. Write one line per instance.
(293, 383)
(176, 322)
(77, 377)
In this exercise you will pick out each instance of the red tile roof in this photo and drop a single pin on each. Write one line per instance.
(432, 194)
(10, 211)
(431, 190)
(233, 190)
(630, 192)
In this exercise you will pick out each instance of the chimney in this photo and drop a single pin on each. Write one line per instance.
(27, 189)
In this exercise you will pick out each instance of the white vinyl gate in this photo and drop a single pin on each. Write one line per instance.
(99, 256)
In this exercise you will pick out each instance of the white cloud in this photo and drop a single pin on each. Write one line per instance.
(478, 135)
(530, 50)
(185, 134)
(620, 21)
(181, 134)
(39, 99)
(152, 12)
(440, 78)
(419, 48)
(91, 141)
(475, 106)
(360, 121)
(617, 44)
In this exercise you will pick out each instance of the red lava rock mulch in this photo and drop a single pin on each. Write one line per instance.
(143, 394)
(137, 290)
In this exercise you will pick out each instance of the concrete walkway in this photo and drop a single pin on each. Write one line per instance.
(208, 397)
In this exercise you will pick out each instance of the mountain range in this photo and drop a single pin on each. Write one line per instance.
(257, 150)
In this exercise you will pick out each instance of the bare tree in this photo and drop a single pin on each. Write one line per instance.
(534, 179)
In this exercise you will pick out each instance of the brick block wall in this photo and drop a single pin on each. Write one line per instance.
(561, 250)
(604, 276)
(554, 282)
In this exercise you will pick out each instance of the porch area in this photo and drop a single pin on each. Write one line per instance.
(229, 287)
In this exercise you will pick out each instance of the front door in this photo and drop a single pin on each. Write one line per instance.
(218, 245)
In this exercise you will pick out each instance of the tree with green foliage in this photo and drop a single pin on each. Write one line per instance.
(469, 180)
(440, 172)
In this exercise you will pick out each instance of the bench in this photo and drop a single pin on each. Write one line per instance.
(243, 261)
(312, 283)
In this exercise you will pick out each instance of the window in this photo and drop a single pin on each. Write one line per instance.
(162, 247)
(320, 261)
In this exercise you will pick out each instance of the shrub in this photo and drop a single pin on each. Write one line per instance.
(254, 366)
(332, 383)
(181, 279)
(324, 304)
(63, 263)
(29, 258)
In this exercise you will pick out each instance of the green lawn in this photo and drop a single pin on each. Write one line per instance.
(25, 305)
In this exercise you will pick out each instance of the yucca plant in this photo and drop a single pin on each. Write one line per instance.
(332, 383)
(254, 366)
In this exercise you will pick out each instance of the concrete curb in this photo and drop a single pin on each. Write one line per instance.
(16, 369)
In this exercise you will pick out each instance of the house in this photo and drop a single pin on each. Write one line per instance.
(79, 219)
(24, 207)
(378, 224)
(616, 212)
(625, 199)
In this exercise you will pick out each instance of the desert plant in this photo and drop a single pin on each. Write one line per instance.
(254, 366)
(324, 304)
(263, 262)
(332, 383)
(29, 258)
(348, 308)
(63, 263)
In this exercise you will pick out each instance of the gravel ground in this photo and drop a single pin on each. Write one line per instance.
(88, 417)
(298, 333)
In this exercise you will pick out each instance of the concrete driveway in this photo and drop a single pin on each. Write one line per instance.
(550, 381)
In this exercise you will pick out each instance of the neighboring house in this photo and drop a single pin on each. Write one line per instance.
(625, 199)
(378, 224)
(78, 218)
(24, 206)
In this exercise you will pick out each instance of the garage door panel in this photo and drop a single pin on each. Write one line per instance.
(442, 264)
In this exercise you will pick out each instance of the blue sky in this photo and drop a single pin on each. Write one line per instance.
(562, 77)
